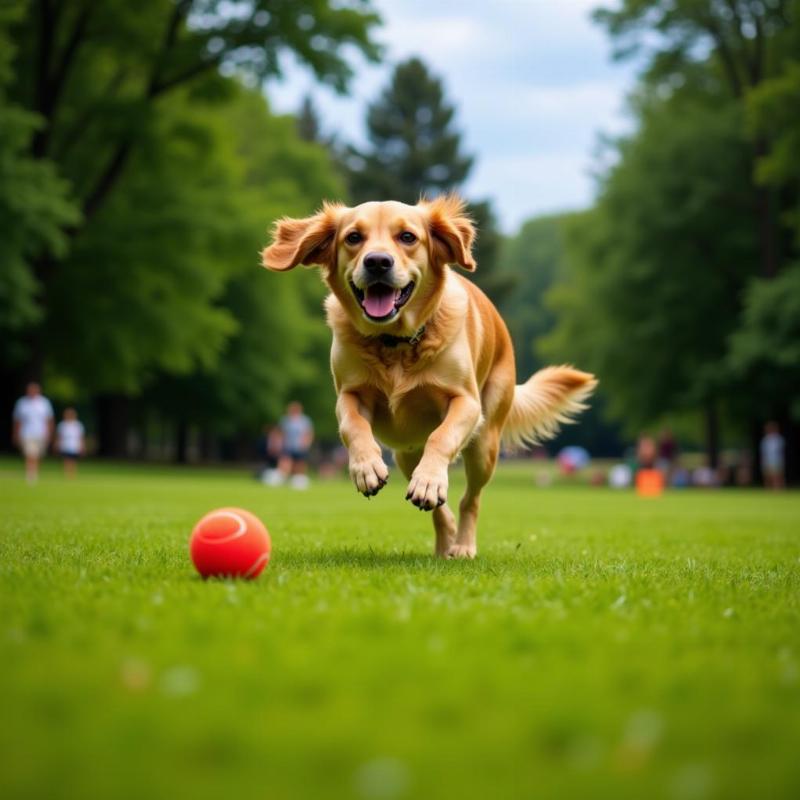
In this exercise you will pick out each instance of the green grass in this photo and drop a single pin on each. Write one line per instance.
(600, 646)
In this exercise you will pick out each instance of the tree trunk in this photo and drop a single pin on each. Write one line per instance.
(11, 387)
(182, 442)
(712, 434)
(756, 432)
(207, 446)
(766, 219)
(113, 422)
(791, 433)
(767, 239)
(244, 447)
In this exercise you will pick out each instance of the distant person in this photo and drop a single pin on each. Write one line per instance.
(573, 458)
(646, 452)
(298, 434)
(773, 446)
(272, 451)
(667, 452)
(70, 441)
(33, 428)
(705, 477)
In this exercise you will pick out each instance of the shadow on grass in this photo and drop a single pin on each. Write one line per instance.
(365, 559)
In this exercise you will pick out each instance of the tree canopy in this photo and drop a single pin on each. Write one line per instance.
(140, 175)
(414, 149)
(668, 289)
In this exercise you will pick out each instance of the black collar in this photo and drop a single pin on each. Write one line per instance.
(388, 340)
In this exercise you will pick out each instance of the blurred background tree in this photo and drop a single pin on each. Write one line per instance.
(662, 261)
(413, 147)
(35, 207)
(141, 166)
(128, 280)
(415, 150)
(697, 210)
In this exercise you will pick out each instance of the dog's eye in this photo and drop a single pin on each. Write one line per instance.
(406, 237)
(354, 237)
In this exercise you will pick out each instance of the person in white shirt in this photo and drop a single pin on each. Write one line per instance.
(69, 441)
(33, 428)
(773, 466)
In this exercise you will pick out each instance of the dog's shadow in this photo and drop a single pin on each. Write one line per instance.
(363, 559)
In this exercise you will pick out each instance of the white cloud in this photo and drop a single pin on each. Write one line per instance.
(447, 36)
(533, 84)
(529, 185)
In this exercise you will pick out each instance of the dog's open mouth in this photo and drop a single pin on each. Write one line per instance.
(381, 302)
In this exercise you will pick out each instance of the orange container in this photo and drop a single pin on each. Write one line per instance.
(649, 483)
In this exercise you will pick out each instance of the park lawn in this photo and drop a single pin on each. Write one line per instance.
(600, 646)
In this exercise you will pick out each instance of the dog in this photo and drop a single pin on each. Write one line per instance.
(421, 359)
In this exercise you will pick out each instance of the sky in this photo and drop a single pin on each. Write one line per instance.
(533, 83)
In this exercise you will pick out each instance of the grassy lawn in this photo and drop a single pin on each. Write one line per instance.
(600, 645)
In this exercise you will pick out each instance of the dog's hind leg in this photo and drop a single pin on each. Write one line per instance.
(480, 460)
(444, 521)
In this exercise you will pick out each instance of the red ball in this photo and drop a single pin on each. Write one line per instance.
(230, 542)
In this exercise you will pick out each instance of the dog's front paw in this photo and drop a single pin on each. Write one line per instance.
(369, 474)
(428, 487)
(461, 551)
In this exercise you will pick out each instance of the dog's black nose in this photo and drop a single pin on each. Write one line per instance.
(378, 263)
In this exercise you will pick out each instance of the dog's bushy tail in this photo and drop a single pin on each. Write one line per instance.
(549, 398)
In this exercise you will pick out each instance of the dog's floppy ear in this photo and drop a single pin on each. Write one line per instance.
(452, 231)
(303, 241)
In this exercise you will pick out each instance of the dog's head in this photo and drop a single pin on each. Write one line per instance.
(385, 262)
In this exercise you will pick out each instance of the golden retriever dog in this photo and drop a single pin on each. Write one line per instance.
(421, 359)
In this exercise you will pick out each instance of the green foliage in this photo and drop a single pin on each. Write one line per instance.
(34, 207)
(657, 269)
(534, 259)
(682, 38)
(490, 276)
(594, 648)
(309, 127)
(747, 52)
(765, 350)
(414, 149)
(280, 347)
(177, 172)
(774, 111)
(139, 291)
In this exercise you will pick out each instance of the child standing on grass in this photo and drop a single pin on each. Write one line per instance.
(33, 428)
(298, 434)
(70, 441)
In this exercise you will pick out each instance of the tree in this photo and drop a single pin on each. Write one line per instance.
(34, 209)
(495, 281)
(533, 260)
(96, 74)
(415, 151)
(764, 354)
(765, 350)
(98, 77)
(656, 271)
(280, 348)
(534, 257)
(667, 260)
(739, 42)
(414, 148)
(309, 128)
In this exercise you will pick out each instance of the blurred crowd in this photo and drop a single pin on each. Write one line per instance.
(656, 463)
(285, 452)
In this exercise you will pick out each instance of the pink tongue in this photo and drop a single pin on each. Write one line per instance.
(379, 300)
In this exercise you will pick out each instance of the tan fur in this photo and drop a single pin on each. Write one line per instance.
(550, 397)
(450, 392)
